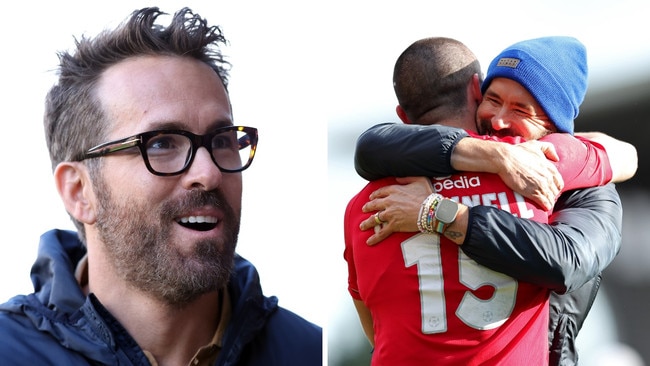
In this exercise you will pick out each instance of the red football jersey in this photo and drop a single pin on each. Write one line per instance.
(430, 303)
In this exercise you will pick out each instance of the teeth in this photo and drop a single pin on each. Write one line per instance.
(198, 220)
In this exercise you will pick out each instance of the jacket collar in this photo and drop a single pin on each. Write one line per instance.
(57, 295)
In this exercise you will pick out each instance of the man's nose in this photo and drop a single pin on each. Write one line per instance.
(500, 121)
(203, 173)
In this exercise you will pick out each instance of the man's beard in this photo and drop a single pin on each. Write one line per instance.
(485, 128)
(138, 242)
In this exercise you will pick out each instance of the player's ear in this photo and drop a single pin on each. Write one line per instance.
(402, 114)
(475, 89)
(75, 188)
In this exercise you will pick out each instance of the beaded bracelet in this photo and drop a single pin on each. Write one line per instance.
(426, 216)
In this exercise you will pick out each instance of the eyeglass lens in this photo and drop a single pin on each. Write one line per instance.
(170, 152)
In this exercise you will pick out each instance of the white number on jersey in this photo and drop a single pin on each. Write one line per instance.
(423, 250)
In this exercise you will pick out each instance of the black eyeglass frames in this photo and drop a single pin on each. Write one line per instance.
(171, 152)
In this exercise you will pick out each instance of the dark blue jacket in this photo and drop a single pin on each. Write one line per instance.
(58, 325)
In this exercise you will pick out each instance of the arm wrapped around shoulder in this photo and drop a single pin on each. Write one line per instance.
(582, 239)
(401, 150)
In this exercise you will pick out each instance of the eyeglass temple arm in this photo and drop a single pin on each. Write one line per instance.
(111, 147)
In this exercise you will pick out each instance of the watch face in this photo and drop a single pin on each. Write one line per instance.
(446, 211)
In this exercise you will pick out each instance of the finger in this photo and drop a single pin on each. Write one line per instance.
(551, 189)
(549, 151)
(548, 203)
(542, 200)
(538, 199)
(377, 219)
(556, 178)
(379, 235)
(373, 206)
(378, 193)
(367, 224)
(559, 183)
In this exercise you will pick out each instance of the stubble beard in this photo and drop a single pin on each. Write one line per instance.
(138, 242)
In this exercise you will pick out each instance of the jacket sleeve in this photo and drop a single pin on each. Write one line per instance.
(582, 239)
(401, 150)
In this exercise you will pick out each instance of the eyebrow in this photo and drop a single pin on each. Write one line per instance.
(176, 125)
(528, 107)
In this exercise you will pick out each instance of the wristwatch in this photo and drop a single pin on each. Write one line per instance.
(446, 212)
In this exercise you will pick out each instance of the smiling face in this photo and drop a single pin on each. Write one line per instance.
(508, 109)
(171, 237)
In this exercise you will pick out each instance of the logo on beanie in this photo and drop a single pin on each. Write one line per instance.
(508, 62)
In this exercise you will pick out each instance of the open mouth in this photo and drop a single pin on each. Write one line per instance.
(198, 223)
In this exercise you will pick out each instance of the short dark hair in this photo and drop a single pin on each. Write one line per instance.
(432, 74)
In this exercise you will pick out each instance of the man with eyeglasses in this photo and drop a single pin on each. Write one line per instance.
(148, 163)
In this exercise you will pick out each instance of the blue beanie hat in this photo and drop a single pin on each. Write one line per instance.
(552, 69)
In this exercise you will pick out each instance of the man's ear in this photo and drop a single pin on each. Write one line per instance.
(75, 188)
(402, 114)
(476, 89)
